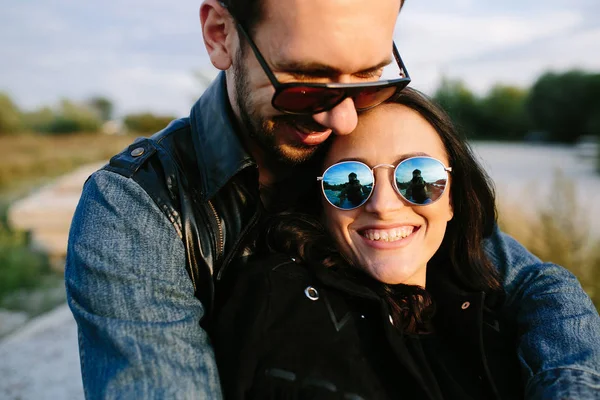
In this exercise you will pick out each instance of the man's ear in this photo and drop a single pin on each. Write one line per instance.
(219, 33)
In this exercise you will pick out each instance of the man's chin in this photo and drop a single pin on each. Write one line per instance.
(294, 155)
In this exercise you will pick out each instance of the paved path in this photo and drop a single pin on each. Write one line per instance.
(47, 213)
(41, 361)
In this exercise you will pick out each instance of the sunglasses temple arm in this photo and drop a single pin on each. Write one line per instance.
(403, 71)
(258, 55)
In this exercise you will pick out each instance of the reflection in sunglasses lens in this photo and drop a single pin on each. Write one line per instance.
(421, 180)
(347, 185)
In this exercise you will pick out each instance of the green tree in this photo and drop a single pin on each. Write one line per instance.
(38, 120)
(10, 116)
(565, 105)
(68, 117)
(462, 105)
(146, 123)
(503, 113)
(74, 118)
(103, 107)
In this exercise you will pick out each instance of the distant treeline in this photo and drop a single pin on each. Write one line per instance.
(558, 107)
(71, 117)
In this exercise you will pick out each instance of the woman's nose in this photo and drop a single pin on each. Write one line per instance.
(384, 199)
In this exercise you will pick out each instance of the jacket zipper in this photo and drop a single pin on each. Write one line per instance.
(248, 227)
(220, 239)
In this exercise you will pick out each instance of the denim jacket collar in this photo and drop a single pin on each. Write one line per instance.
(219, 151)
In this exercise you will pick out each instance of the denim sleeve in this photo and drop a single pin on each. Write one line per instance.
(559, 327)
(133, 301)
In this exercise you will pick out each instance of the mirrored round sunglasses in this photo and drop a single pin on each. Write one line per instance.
(419, 180)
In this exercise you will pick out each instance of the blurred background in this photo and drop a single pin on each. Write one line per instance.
(79, 81)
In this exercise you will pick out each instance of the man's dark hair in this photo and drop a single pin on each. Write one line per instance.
(246, 12)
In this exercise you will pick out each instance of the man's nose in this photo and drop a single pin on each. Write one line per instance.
(341, 119)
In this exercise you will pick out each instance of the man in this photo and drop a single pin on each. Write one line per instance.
(166, 213)
(416, 188)
(352, 191)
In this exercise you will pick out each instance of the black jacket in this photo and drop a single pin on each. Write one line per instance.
(291, 331)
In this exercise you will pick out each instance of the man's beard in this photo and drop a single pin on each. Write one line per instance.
(263, 131)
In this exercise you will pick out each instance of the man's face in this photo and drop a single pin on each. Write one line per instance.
(344, 41)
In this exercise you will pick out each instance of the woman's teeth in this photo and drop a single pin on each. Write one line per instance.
(388, 235)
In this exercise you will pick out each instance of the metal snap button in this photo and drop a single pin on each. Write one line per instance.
(311, 293)
(138, 151)
(465, 305)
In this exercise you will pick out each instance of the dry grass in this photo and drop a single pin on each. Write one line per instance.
(558, 232)
(30, 159)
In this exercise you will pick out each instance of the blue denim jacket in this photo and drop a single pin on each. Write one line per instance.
(138, 318)
(559, 327)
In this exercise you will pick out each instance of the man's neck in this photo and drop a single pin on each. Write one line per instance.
(270, 171)
(280, 184)
(271, 176)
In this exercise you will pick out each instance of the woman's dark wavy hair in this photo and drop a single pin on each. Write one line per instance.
(461, 251)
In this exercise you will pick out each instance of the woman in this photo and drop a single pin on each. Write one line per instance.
(393, 296)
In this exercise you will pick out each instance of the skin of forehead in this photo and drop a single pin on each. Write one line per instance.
(383, 129)
(349, 35)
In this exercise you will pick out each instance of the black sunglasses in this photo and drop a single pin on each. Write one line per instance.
(419, 180)
(312, 98)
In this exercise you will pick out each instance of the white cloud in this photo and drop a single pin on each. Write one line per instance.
(144, 89)
(484, 49)
(443, 37)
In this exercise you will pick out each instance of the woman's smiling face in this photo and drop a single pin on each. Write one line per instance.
(390, 238)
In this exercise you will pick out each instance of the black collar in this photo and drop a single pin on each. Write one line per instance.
(219, 151)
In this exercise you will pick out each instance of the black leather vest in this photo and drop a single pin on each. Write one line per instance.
(212, 230)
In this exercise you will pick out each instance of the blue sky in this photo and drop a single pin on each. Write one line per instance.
(142, 53)
(339, 174)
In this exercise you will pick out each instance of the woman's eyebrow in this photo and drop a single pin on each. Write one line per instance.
(410, 155)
